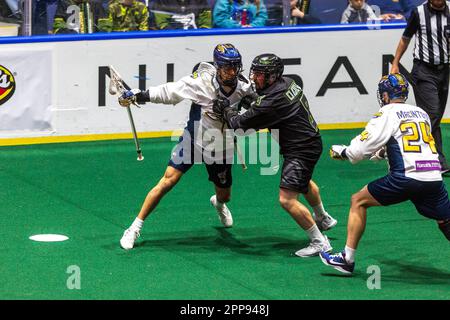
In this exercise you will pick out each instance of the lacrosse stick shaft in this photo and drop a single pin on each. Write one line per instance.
(133, 130)
(120, 86)
(239, 154)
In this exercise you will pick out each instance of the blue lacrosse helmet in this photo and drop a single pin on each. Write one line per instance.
(226, 55)
(395, 85)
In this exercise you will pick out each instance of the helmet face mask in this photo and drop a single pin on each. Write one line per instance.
(228, 62)
(228, 74)
(392, 86)
(266, 69)
(261, 79)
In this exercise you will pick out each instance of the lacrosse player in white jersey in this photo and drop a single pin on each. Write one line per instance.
(401, 133)
(203, 139)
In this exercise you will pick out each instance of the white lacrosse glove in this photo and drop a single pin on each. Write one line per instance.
(378, 155)
(128, 97)
(337, 152)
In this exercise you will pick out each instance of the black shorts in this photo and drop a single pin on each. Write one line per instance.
(220, 174)
(298, 167)
(429, 197)
(296, 174)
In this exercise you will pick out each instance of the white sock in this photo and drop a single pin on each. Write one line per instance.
(315, 234)
(137, 224)
(219, 204)
(319, 211)
(350, 254)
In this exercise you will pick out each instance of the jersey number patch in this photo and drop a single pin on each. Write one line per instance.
(413, 133)
(296, 92)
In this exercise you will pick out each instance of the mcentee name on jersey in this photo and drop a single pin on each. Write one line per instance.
(410, 114)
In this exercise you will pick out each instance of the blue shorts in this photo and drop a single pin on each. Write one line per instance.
(429, 197)
(219, 173)
(187, 153)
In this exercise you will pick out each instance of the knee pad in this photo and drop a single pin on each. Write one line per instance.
(445, 228)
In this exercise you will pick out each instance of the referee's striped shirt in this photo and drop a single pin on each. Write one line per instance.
(432, 28)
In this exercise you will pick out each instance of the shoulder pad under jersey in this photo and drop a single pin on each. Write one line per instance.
(205, 69)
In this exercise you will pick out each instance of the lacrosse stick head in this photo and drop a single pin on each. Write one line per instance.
(115, 82)
(112, 88)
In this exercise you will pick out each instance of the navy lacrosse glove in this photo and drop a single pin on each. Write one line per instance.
(337, 152)
(247, 101)
(219, 106)
(132, 96)
(128, 97)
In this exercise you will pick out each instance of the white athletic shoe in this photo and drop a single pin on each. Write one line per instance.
(128, 238)
(224, 213)
(326, 223)
(315, 248)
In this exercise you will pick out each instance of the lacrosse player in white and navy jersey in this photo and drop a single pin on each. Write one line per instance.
(401, 133)
(203, 139)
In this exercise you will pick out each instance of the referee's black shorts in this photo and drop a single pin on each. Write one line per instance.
(298, 170)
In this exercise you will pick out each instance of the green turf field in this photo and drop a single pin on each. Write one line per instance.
(92, 191)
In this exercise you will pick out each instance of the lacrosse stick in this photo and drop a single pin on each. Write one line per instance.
(116, 84)
(239, 154)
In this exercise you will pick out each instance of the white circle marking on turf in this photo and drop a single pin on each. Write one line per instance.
(49, 237)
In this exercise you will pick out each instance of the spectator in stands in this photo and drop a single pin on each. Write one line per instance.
(393, 9)
(128, 15)
(83, 16)
(50, 8)
(276, 14)
(5, 11)
(239, 13)
(299, 17)
(180, 14)
(13, 5)
(43, 13)
(358, 11)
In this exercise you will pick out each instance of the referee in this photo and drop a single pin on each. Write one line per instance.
(430, 23)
